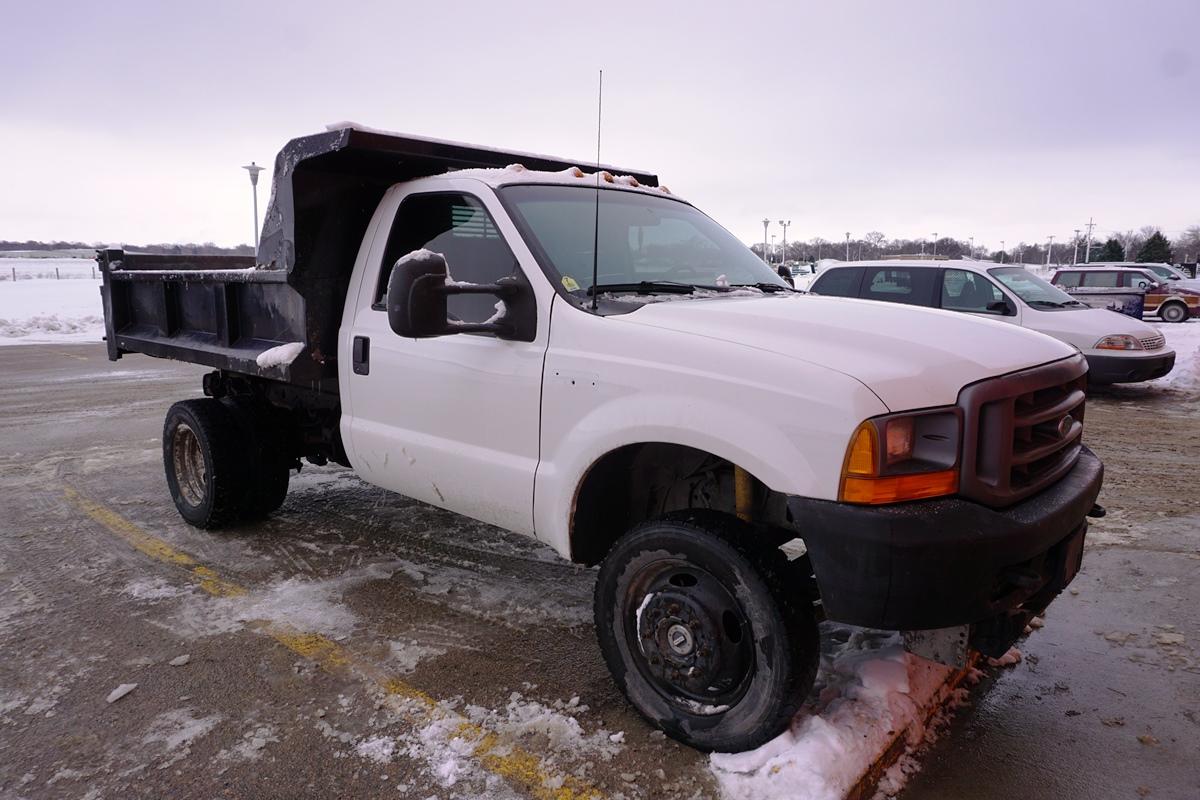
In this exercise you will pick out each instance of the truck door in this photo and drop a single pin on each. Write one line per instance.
(454, 420)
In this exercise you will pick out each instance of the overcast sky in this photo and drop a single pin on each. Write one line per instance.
(128, 121)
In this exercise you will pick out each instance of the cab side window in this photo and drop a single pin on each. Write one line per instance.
(1102, 279)
(460, 228)
(967, 291)
(1068, 280)
(1139, 280)
(838, 282)
(899, 285)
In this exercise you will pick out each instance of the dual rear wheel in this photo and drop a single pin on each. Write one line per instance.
(224, 461)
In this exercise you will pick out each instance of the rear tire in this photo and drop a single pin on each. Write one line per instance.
(204, 462)
(702, 632)
(1173, 312)
(269, 465)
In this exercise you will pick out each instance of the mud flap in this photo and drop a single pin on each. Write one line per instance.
(947, 646)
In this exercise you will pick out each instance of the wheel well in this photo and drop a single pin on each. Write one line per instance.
(647, 480)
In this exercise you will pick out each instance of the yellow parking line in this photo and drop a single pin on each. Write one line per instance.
(520, 767)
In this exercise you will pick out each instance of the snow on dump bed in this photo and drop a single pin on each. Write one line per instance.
(866, 691)
(279, 355)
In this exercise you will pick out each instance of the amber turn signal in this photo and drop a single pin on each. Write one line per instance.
(865, 476)
(874, 491)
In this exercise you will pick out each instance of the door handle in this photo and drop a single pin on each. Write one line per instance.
(361, 360)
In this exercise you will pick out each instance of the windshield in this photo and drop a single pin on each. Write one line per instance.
(1163, 272)
(1032, 289)
(652, 242)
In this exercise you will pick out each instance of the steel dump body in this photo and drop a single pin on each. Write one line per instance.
(225, 311)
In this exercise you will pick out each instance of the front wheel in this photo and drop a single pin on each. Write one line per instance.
(1173, 312)
(703, 633)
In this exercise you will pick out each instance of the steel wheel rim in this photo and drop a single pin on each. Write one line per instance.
(187, 458)
(689, 637)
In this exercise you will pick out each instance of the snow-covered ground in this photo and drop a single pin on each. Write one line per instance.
(43, 309)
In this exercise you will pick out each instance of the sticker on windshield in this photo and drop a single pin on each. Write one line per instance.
(570, 284)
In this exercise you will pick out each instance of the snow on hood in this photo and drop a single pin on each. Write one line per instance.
(910, 357)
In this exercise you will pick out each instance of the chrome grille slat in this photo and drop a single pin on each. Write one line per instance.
(1153, 342)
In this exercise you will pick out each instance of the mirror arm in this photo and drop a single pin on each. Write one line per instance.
(501, 329)
(503, 288)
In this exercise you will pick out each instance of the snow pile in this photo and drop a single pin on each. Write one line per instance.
(1184, 339)
(39, 311)
(866, 696)
(280, 355)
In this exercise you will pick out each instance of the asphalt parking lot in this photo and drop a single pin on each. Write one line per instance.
(360, 644)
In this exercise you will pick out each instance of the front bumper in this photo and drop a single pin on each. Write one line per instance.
(947, 562)
(1128, 369)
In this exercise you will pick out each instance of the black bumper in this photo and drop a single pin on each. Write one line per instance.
(1118, 369)
(942, 563)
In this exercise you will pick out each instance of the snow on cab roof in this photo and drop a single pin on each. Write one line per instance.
(517, 172)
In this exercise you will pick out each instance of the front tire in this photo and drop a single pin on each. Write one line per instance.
(1173, 312)
(702, 632)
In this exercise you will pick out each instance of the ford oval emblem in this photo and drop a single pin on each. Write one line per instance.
(1064, 426)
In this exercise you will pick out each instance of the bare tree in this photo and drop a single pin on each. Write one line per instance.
(1187, 246)
(876, 239)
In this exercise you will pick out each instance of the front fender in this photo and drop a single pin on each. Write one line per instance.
(786, 422)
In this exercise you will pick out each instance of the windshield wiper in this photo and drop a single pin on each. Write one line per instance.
(1047, 303)
(644, 287)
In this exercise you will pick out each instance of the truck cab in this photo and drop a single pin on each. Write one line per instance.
(586, 358)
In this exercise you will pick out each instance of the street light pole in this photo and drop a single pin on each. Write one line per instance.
(971, 239)
(1075, 253)
(935, 243)
(847, 245)
(254, 169)
(766, 222)
(1049, 250)
(772, 248)
(784, 224)
(1002, 253)
(1087, 253)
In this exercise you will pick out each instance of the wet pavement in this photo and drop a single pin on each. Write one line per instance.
(405, 624)
(1106, 703)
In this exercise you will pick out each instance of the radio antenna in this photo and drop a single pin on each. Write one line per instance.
(596, 221)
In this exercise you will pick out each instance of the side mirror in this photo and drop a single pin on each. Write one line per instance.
(416, 298)
(1001, 307)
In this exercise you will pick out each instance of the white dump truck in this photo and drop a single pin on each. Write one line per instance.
(586, 358)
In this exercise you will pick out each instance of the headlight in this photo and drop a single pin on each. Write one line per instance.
(902, 457)
(1118, 341)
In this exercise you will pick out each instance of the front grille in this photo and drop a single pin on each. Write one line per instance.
(1153, 342)
(1022, 432)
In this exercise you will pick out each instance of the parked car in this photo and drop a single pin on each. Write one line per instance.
(938, 475)
(1165, 272)
(1118, 349)
(1171, 301)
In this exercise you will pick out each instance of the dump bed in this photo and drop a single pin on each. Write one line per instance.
(227, 311)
